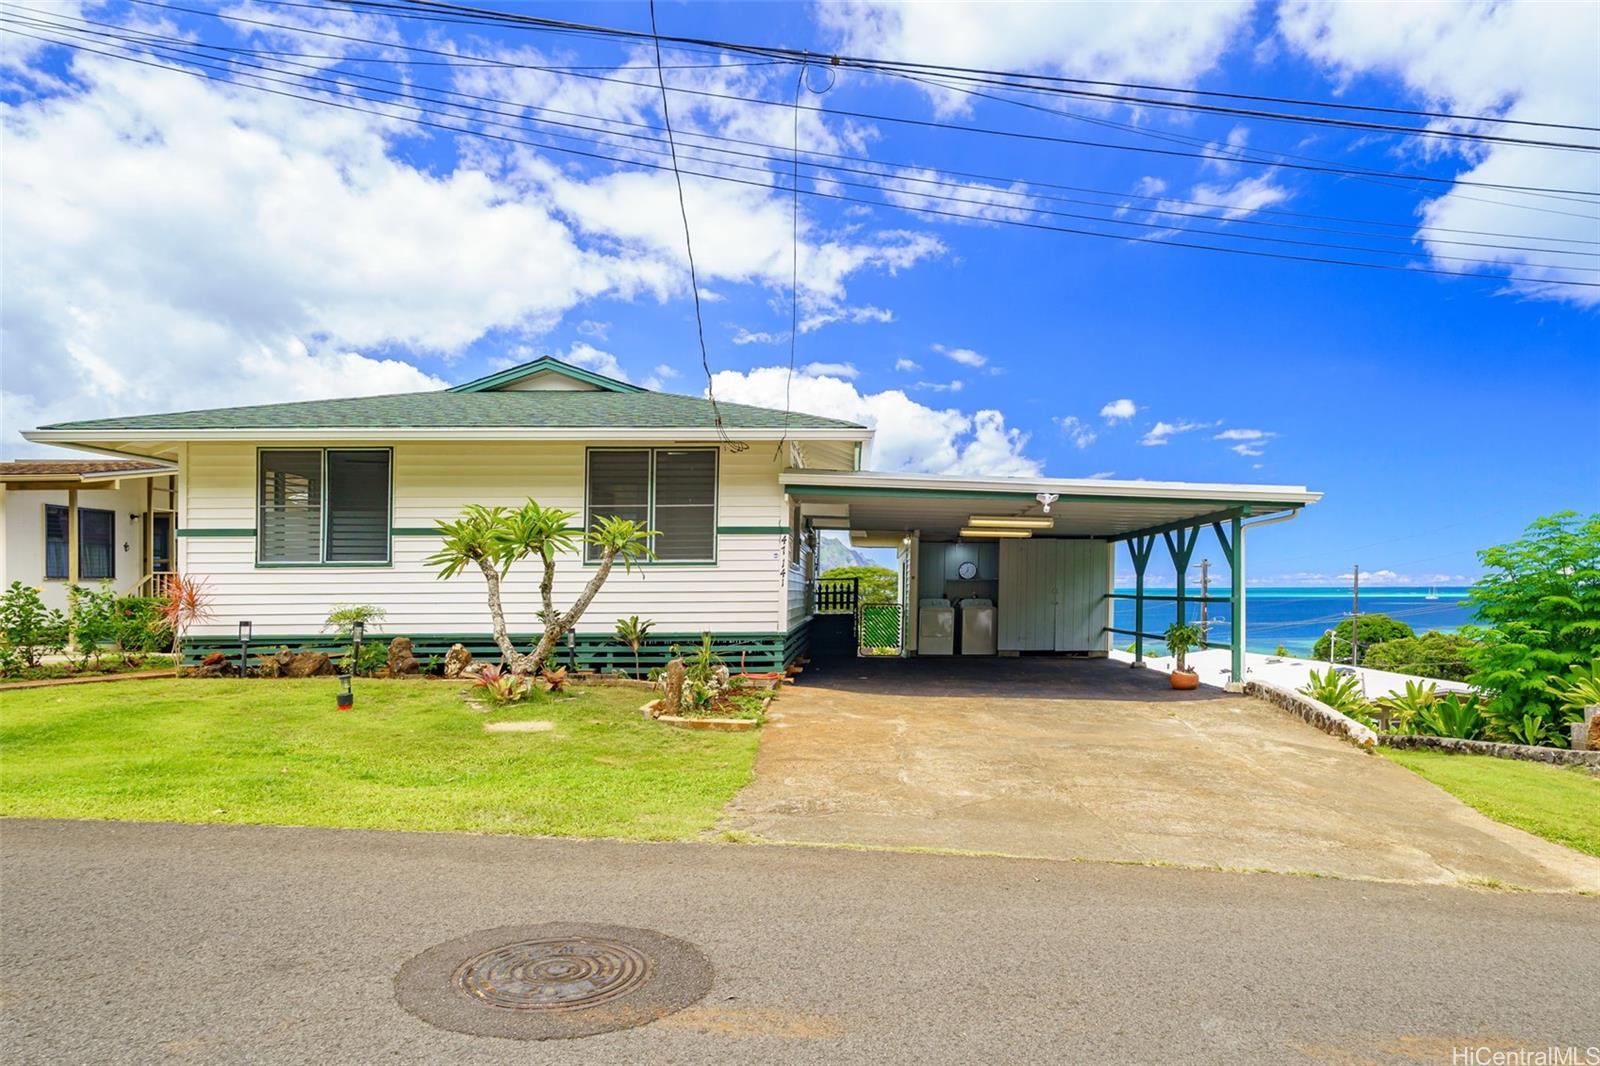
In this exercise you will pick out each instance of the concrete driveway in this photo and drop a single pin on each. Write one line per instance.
(1088, 759)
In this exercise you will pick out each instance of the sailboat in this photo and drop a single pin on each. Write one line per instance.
(1433, 593)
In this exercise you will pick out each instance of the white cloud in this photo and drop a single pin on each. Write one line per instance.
(1519, 61)
(1245, 449)
(745, 336)
(1077, 431)
(1244, 434)
(907, 365)
(1118, 410)
(1101, 475)
(598, 330)
(910, 435)
(1170, 42)
(964, 356)
(587, 355)
(940, 386)
(853, 315)
(1161, 432)
(830, 370)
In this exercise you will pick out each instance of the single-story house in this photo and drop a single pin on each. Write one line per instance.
(289, 509)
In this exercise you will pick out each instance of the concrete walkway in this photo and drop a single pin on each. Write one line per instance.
(122, 942)
(1088, 759)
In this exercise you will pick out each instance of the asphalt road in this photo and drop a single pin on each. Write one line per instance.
(124, 942)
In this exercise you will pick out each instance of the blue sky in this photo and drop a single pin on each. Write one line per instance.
(175, 243)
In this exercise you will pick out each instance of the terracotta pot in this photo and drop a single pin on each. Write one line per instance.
(1186, 680)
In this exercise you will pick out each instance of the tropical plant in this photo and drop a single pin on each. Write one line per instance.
(701, 664)
(555, 678)
(1403, 707)
(188, 601)
(1342, 692)
(1371, 630)
(1579, 689)
(140, 626)
(632, 632)
(93, 615)
(1528, 729)
(494, 539)
(1451, 716)
(28, 629)
(1433, 654)
(877, 584)
(371, 659)
(344, 616)
(502, 686)
(1180, 638)
(1541, 596)
(1281, 652)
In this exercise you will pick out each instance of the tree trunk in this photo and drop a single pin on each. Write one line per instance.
(516, 662)
(557, 626)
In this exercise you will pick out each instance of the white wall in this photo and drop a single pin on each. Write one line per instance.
(23, 549)
(746, 591)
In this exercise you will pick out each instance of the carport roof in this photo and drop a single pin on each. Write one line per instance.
(1087, 507)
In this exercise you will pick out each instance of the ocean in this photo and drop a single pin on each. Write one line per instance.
(1296, 617)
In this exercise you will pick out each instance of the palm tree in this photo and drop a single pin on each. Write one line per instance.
(632, 632)
(496, 538)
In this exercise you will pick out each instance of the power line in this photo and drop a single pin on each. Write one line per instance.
(959, 215)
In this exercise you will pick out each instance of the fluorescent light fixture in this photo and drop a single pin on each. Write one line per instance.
(1011, 521)
(969, 531)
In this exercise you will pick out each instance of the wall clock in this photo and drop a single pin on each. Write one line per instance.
(968, 570)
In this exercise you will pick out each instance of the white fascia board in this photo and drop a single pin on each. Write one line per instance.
(1173, 490)
(73, 437)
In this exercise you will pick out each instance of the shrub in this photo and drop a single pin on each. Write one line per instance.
(344, 616)
(878, 584)
(140, 626)
(1404, 707)
(28, 629)
(1180, 637)
(1579, 689)
(1374, 629)
(1342, 692)
(373, 657)
(502, 686)
(93, 616)
(1433, 654)
(1451, 716)
(632, 632)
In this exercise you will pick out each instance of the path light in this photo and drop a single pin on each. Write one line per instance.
(244, 646)
(347, 698)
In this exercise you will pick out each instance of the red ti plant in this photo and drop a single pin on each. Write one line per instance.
(188, 601)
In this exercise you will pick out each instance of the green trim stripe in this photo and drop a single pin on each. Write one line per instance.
(543, 365)
(216, 532)
(413, 531)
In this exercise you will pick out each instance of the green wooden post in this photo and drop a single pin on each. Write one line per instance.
(1139, 548)
(1233, 547)
(1181, 551)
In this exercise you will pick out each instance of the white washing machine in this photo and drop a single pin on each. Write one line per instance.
(977, 626)
(936, 627)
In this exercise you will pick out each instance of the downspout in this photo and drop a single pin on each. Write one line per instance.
(1238, 562)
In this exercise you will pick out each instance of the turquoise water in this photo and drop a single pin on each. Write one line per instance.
(1296, 617)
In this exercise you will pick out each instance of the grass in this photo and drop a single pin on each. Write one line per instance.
(1558, 803)
(111, 664)
(412, 755)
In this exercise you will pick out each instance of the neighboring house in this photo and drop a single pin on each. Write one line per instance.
(86, 521)
(289, 509)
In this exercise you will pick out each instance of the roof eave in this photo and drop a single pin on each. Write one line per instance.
(69, 435)
(866, 482)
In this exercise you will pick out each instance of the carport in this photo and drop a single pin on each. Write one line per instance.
(1043, 550)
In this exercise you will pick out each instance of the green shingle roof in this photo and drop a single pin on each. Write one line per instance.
(483, 410)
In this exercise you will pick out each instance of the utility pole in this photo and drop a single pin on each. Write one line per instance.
(1205, 591)
(1355, 616)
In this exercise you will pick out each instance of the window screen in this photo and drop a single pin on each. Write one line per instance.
(619, 485)
(291, 507)
(358, 507)
(686, 504)
(97, 556)
(55, 541)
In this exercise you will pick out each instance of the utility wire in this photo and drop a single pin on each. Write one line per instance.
(960, 215)
(688, 244)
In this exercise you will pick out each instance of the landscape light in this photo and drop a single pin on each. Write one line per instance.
(358, 629)
(969, 531)
(1012, 521)
(244, 632)
(347, 697)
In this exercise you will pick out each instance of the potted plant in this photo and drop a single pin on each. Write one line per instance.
(1180, 637)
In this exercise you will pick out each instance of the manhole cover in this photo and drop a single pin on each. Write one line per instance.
(553, 981)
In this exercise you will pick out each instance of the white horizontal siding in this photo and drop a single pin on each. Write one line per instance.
(744, 591)
(796, 612)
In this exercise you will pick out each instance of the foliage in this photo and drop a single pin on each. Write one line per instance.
(632, 632)
(188, 601)
(1403, 707)
(554, 678)
(700, 666)
(1541, 596)
(878, 584)
(1181, 637)
(344, 616)
(141, 629)
(1342, 692)
(1579, 689)
(495, 538)
(1281, 652)
(1433, 654)
(271, 752)
(1555, 803)
(28, 629)
(502, 686)
(372, 658)
(1451, 716)
(1374, 629)
(93, 614)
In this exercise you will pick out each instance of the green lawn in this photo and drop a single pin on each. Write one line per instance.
(412, 755)
(1558, 803)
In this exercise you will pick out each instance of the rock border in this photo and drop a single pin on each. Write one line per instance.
(1525, 752)
(1314, 712)
(719, 725)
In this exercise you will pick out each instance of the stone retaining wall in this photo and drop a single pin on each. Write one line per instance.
(1553, 756)
(1314, 713)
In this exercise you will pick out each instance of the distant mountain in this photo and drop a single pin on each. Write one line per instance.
(836, 552)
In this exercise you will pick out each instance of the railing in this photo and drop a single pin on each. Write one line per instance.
(881, 627)
(154, 584)
(839, 595)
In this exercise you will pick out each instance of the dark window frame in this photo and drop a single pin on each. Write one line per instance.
(66, 563)
(651, 451)
(324, 511)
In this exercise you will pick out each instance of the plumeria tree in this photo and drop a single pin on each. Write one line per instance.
(494, 539)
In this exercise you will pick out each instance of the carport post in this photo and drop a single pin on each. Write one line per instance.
(1139, 548)
(1181, 551)
(1233, 548)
